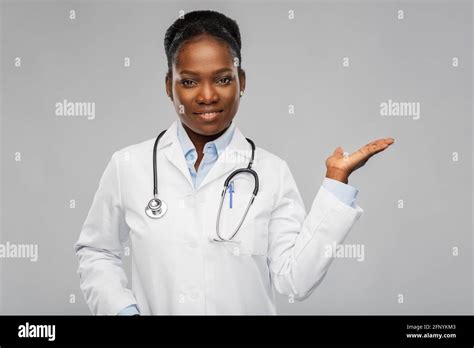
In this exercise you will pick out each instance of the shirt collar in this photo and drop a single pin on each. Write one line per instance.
(216, 146)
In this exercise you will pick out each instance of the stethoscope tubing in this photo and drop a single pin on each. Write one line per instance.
(156, 208)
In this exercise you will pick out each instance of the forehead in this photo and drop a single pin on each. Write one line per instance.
(203, 54)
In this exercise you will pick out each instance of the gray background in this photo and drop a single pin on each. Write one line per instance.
(407, 251)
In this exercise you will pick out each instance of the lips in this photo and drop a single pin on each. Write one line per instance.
(209, 113)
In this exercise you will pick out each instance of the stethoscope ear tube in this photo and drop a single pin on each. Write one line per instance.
(220, 238)
(243, 170)
(224, 190)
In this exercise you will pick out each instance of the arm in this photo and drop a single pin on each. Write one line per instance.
(99, 248)
(344, 192)
(297, 242)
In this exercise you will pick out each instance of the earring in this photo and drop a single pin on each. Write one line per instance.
(241, 92)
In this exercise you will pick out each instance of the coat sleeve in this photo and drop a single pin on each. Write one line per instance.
(298, 242)
(99, 249)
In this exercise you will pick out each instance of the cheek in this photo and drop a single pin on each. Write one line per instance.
(184, 98)
(230, 96)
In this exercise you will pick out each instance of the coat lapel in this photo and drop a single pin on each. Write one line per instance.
(169, 143)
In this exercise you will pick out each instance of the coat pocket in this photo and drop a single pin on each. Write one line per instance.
(252, 236)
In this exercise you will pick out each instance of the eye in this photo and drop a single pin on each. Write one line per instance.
(187, 83)
(225, 80)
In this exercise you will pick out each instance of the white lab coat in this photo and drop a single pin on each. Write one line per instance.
(176, 267)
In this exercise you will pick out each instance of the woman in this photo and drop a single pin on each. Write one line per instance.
(183, 262)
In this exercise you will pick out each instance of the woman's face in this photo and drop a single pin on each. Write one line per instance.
(205, 85)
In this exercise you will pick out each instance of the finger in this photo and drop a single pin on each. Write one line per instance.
(378, 145)
(388, 141)
(338, 152)
(367, 151)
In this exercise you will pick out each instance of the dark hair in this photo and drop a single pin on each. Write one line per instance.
(202, 22)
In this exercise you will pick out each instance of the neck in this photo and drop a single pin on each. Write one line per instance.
(200, 140)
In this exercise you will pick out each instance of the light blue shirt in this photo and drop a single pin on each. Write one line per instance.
(345, 193)
(212, 150)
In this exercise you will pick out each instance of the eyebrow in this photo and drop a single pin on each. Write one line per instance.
(195, 73)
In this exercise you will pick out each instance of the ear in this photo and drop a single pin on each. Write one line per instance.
(168, 86)
(242, 79)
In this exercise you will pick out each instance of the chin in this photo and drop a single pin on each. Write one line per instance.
(210, 129)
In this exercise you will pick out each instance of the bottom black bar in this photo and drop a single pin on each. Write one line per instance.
(291, 330)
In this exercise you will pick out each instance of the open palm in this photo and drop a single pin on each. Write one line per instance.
(340, 166)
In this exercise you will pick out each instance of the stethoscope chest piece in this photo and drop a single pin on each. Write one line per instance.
(156, 208)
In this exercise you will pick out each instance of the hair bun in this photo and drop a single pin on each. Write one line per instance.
(196, 23)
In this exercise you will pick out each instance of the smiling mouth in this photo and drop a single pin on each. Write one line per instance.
(209, 114)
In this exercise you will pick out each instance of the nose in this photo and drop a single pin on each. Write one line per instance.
(207, 94)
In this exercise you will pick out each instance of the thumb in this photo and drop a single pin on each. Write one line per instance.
(339, 151)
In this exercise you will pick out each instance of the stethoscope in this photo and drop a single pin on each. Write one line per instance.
(157, 208)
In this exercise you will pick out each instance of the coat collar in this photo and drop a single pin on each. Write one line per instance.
(236, 155)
